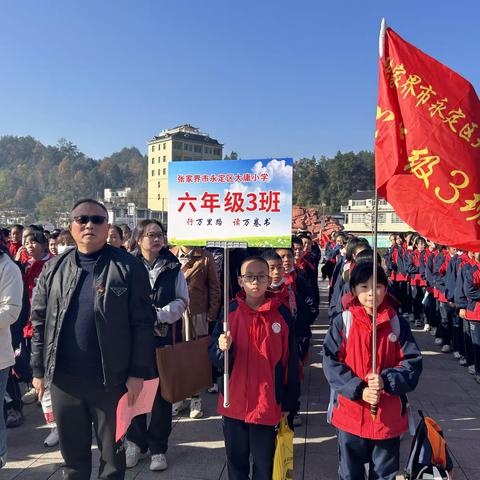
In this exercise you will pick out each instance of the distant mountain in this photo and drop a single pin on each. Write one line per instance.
(48, 179)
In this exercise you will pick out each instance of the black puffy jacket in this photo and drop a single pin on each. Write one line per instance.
(124, 315)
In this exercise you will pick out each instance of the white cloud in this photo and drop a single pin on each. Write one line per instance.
(276, 169)
(236, 187)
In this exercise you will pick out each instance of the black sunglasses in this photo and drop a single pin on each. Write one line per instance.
(84, 219)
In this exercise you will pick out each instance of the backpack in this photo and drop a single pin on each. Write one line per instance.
(429, 458)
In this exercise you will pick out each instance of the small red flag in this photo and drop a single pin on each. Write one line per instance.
(427, 145)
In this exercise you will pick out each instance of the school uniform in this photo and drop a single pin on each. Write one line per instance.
(346, 363)
(461, 301)
(400, 277)
(263, 382)
(431, 309)
(445, 327)
(416, 266)
(472, 292)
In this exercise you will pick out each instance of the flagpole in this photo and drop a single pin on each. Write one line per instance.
(374, 408)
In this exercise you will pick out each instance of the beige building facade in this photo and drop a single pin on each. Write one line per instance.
(175, 145)
(359, 215)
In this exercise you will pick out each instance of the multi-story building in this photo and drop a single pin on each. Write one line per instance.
(359, 216)
(115, 195)
(177, 144)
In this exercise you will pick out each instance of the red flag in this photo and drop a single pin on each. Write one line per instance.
(427, 145)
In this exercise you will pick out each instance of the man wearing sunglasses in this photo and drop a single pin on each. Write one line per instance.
(92, 341)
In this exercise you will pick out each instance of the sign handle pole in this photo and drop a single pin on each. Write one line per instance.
(226, 278)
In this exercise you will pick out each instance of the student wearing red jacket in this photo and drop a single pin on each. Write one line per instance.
(461, 302)
(431, 307)
(36, 245)
(472, 312)
(263, 372)
(445, 329)
(399, 274)
(416, 266)
(15, 240)
(354, 387)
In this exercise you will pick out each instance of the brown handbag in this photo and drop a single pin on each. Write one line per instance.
(184, 368)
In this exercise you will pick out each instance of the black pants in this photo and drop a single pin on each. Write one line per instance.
(475, 336)
(469, 353)
(458, 340)
(13, 389)
(383, 457)
(402, 293)
(243, 439)
(447, 313)
(418, 293)
(77, 403)
(432, 310)
(155, 437)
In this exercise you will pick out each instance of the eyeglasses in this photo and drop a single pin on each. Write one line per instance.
(153, 235)
(84, 219)
(258, 278)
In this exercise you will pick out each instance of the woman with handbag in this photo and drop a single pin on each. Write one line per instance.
(170, 299)
(198, 266)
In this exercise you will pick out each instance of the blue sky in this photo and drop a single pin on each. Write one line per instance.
(268, 78)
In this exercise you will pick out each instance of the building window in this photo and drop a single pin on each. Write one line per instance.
(158, 184)
(197, 148)
(153, 160)
(358, 217)
(153, 148)
(217, 151)
(383, 202)
(382, 218)
(164, 158)
(177, 145)
(153, 173)
(359, 203)
(158, 197)
(177, 158)
(159, 171)
(396, 218)
(165, 145)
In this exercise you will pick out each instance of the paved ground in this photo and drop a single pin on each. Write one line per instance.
(446, 392)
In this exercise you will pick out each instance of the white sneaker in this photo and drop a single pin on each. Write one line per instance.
(196, 408)
(158, 462)
(457, 355)
(438, 341)
(471, 369)
(30, 396)
(446, 349)
(52, 438)
(418, 323)
(426, 327)
(433, 331)
(133, 454)
(177, 408)
(213, 388)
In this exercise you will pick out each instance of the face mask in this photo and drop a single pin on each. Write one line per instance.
(276, 285)
(64, 248)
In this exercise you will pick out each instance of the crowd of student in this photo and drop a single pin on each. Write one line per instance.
(275, 290)
(274, 300)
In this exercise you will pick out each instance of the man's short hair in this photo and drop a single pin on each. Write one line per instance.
(90, 200)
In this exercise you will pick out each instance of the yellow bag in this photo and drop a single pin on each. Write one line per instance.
(283, 459)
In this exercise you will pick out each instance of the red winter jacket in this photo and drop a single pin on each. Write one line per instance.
(348, 360)
(471, 288)
(263, 361)
(33, 268)
(13, 248)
